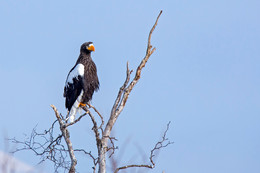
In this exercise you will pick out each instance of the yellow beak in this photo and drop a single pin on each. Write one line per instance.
(91, 47)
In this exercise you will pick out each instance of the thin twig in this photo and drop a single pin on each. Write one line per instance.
(46, 146)
(95, 160)
(95, 127)
(78, 119)
(158, 146)
(132, 166)
(121, 90)
(113, 148)
(99, 114)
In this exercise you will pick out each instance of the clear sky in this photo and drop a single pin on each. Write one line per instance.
(203, 77)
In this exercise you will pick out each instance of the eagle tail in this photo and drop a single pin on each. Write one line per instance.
(75, 107)
(72, 113)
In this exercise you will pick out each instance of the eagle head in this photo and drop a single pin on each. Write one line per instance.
(87, 47)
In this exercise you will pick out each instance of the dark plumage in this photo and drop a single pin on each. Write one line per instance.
(82, 81)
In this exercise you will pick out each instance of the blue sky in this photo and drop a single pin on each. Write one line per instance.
(203, 77)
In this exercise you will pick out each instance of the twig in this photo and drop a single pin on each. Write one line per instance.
(113, 148)
(122, 89)
(99, 114)
(46, 146)
(95, 160)
(78, 119)
(95, 127)
(132, 166)
(158, 146)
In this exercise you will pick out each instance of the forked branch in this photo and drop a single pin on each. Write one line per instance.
(164, 142)
(126, 89)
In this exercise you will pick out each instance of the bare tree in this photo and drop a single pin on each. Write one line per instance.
(53, 149)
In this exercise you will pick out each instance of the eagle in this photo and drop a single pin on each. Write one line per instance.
(81, 81)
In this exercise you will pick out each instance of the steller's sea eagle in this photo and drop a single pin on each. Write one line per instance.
(81, 82)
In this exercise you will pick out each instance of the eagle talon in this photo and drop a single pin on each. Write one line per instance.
(82, 104)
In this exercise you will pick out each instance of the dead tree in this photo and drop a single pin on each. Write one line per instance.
(52, 148)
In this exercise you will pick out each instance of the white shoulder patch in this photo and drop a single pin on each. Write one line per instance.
(77, 71)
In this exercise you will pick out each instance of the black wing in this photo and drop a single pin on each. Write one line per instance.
(74, 85)
(72, 91)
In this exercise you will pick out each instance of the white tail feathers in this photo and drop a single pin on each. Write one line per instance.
(75, 107)
(72, 113)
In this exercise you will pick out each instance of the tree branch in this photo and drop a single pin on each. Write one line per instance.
(122, 98)
(66, 135)
(121, 90)
(95, 127)
(99, 114)
(75, 121)
(161, 144)
(132, 166)
(95, 160)
(126, 90)
(46, 146)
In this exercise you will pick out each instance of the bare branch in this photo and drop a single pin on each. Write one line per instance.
(132, 166)
(113, 148)
(99, 114)
(66, 135)
(95, 127)
(161, 144)
(49, 147)
(151, 32)
(74, 122)
(121, 90)
(46, 146)
(122, 99)
(125, 90)
(95, 160)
